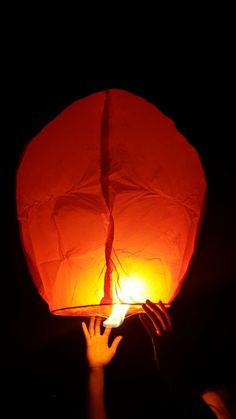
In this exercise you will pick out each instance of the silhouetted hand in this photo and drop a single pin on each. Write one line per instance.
(158, 324)
(158, 319)
(99, 353)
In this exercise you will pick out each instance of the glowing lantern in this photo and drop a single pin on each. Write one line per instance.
(109, 199)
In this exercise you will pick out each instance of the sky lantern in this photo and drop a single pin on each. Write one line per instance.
(109, 200)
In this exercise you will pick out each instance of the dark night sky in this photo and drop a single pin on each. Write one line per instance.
(43, 356)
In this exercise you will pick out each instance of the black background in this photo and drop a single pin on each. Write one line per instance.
(43, 360)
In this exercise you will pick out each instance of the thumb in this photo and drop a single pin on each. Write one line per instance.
(115, 343)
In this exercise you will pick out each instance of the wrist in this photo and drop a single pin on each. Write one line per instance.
(96, 368)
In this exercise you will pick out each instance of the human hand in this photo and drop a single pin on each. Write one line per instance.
(157, 320)
(99, 353)
(158, 324)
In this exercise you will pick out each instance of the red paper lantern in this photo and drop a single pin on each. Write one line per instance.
(109, 199)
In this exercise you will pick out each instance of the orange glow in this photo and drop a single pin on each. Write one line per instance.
(129, 290)
(109, 201)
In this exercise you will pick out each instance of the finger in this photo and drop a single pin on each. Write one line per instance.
(107, 332)
(155, 319)
(152, 331)
(97, 326)
(91, 326)
(167, 314)
(86, 332)
(115, 343)
(158, 314)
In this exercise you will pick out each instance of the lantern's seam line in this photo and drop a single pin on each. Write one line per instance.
(104, 180)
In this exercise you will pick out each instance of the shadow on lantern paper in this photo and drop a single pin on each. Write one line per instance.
(109, 199)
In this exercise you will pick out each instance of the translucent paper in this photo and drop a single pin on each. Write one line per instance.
(109, 200)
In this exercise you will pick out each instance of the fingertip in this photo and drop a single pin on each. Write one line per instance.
(120, 339)
(83, 325)
(142, 318)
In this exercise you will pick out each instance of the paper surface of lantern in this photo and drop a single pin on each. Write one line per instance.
(109, 199)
